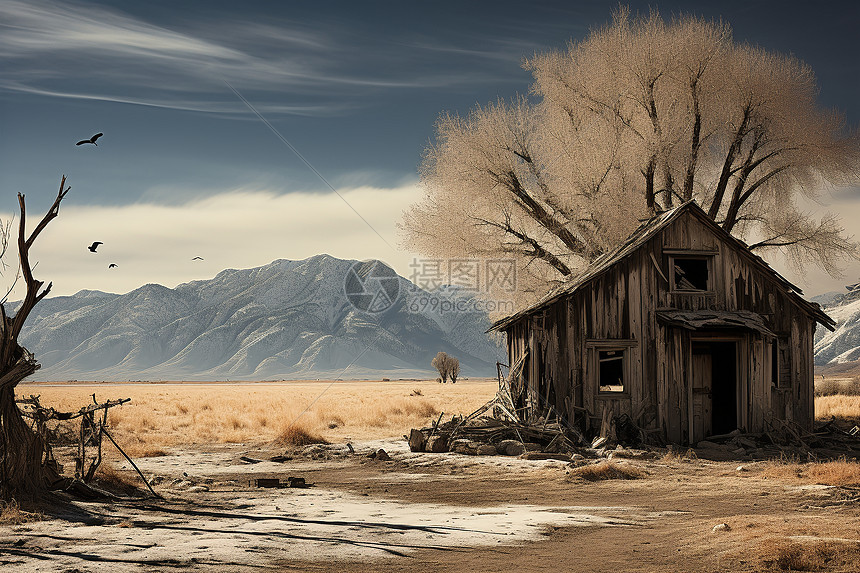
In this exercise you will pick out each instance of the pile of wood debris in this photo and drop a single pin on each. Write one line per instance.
(497, 429)
(484, 435)
(786, 439)
(493, 436)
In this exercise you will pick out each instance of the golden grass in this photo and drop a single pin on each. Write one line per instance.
(840, 406)
(812, 555)
(161, 416)
(841, 472)
(12, 514)
(297, 435)
(606, 470)
(108, 477)
(813, 541)
(676, 455)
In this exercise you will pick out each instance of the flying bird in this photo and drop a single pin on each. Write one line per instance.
(90, 140)
(112, 265)
(95, 246)
(197, 259)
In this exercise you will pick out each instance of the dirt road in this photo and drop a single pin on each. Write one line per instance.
(445, 512)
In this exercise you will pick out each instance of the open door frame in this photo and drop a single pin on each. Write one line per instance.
(709, 337)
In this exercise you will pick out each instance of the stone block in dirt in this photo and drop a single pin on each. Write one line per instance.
(511, 447)
(486, 450)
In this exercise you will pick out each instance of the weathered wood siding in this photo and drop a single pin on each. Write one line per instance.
(621, 305)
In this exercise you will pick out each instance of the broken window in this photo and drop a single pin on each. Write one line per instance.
(611, 370)
(691, 273)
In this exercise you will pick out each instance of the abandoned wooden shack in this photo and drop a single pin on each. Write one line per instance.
(682, 328)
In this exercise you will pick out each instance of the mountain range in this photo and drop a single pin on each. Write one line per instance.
(842, 346)
(321, 317)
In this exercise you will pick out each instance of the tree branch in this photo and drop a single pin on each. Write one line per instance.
(735, 146)
(537, 212)
(695, 142)
(33, 295)
(536, 250)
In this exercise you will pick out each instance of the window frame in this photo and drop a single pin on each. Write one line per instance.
(594, 347)
(681, 254)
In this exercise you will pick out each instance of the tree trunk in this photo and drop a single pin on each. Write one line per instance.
(23, 453)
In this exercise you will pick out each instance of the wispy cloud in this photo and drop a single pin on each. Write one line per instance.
(238, 228)
(93, 52)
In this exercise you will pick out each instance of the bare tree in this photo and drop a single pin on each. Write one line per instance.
(640, 116)
(440, 363)
(453, 369)
(23, 454)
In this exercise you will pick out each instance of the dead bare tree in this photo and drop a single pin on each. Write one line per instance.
(23, 453)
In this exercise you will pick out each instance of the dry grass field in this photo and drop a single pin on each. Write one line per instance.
(837, 397)
(669, 511)
(164, 415)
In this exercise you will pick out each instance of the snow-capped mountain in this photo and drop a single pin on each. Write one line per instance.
(842, 345)
(321, 317)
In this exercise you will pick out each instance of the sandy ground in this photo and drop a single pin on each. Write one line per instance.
(439, 512)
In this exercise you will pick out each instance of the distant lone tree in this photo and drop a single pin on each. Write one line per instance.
(453, 369)
(637, 118)
(23, 454)
(440, 363)
(447, 366)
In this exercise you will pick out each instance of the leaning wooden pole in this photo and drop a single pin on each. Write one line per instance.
(126, 456)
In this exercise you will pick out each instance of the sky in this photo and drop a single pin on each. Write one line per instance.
(244, 132)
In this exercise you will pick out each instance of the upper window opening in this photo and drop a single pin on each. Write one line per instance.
(611, 370)
(690, 273)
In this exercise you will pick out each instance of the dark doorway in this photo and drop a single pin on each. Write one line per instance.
(715, 397)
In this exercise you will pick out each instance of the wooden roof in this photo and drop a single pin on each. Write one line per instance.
(643, 234)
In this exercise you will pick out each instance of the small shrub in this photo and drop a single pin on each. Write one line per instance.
(841, 472)
(675, 455)
(12, 514)
(151, 452)
(140, 448)
(814, 555)
(108, 477)
(606, 470)
(296, 435)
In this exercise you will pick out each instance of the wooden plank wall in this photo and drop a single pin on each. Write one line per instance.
(621, 304)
